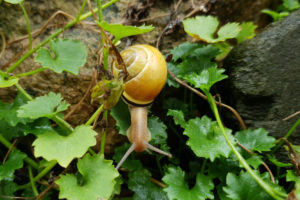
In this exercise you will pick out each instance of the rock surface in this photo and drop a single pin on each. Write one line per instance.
(264, 77)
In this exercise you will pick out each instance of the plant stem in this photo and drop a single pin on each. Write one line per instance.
(55, 34)
(81, 10)
(62, 123)
(19, 87)
(40, 175)
(272, 192)
(35, 191)
(27, 26)
(103, 138)
(287, 135)
(94, 116)
(30, 72)
(100, 16)
(28, 160)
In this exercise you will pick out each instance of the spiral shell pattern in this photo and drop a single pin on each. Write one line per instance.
(147, 71)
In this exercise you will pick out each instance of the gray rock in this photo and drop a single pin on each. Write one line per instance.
(264, 77)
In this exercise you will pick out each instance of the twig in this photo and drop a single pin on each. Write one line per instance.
(160, 184)
(154, 17)
(236, 114)
(263, 163)
(201, 7)
(289, 117)
(3, 43)
(9, 150)
(91, 9)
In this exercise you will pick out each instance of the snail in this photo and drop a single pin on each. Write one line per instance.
(147, 74)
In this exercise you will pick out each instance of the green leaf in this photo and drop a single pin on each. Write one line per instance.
(120, 31)
(38, 126)
(14, 161)
(177, 188)
(64, 149)
(68, 56)
(98, 180)
(244, 187)
(131, 163)
(220, 167)
(122, 116)
(247, 32)
(229, 30)
(255, 140)
(44, 106)
(206, 79)
(204, 28)
(7, 188)
(291, 4)
(184, 50)
(10, 132)
(158, 131)
(206, 139)
(14, 1)
(255, 161)
(291, 176)
(140, 183)
(7, 82)
(8, 111)
(275, 15)
(278, 163)
(178, 117)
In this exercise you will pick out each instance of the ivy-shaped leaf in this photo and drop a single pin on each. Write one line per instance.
(64, 149)
(122, 116)
(244, 187)
(247, 32)
(184, 50)
(68, 56)
(8, 188)
(98, 180)
(178, 117)
(177, 188)
(8, 111)
(206, 139)
(140, 183)
(206, 79)
(14, 161)
(120, 31)
(291, 176)
(44, 106)
(158, 131)
(256, 140)
(205, 27)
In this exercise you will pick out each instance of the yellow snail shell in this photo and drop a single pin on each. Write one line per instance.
(147, 71)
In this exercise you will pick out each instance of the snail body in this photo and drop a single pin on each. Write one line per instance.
(147, 74)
